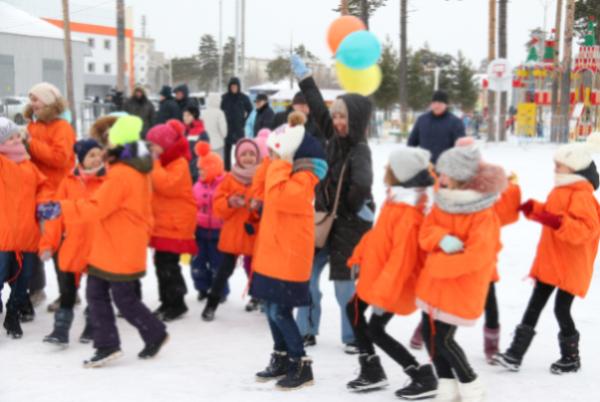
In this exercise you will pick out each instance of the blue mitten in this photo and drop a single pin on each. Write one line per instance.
(451, 244)
(299, 68)
(320, 168)
(48, 211)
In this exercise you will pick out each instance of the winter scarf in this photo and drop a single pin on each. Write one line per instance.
(88, 174)
(243, 174)
(565, 179)
(16, 153)
(464, 201)
(420, 197)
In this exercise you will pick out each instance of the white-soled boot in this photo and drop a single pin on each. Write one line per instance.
(447, 391)
(473, 391)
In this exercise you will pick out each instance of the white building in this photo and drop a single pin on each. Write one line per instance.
(151, 67)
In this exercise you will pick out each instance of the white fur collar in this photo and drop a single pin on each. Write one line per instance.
(411, 196)
(565, 179)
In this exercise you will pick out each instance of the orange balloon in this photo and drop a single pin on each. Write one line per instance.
(340, 28)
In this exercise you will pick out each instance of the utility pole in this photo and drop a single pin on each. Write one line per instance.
(565, 87)
(555, 129)
(69, 62)
(403, 67)
(243, 45)
(220, 82)
(236, 51)
(502, 53)
(491, 57)
(121, 46)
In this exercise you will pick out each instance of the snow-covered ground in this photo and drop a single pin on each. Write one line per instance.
(216, 361)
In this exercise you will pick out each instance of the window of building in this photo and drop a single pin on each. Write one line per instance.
(107, 44)
(91, 42)
(91, 67)
(107, 68)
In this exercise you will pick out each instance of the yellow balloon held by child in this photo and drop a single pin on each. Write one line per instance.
(363, 82)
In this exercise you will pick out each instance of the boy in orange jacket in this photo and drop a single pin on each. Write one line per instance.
(565, 255)
(240, 222)
(73, 244)
(121, 214)
(461, 236)
(389, 260)
(285, 249)
(174, 212)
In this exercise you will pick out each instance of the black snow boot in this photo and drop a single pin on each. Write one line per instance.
(63, 319)
(423, 383)
(174, 312)
(512, 358)
(202, 295)
(310, 340)
(103, 356)
(212, 302)
(276, 369)
(12, 323)
(253, 305)
(26, 312)
(371, 375)
(152, 349)
(86, 336)
(569, 351)
(299, 374)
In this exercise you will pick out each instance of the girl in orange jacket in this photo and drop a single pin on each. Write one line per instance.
(23, 187)
(461, 237)
(174, 212)
(121, 214)
(565, 255)
(240, 223)
(389, 260)
(284, 250)
(72, 244)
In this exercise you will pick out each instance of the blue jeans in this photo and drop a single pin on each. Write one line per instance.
(285, 332)
(309, 318)
(19, 276)
(208, 260)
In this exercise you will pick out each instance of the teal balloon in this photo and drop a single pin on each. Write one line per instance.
(359, 50)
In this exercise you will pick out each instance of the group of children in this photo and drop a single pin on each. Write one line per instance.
(434, 246)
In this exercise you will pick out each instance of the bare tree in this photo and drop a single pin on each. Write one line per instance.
(121, 45)
(344, 7)
(565, 88)
(69, 62)
(403, 66)
(502, 50)
(491, 56)
(556, 79)
(364, 12)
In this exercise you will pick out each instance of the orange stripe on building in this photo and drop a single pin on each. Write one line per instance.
(90, 28)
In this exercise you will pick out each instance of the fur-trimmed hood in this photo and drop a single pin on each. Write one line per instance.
(99, 130)
(49, 112)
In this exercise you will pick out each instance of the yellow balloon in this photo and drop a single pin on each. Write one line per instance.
(363, 82)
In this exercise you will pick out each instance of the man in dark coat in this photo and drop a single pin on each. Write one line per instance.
(264, 113)
(237, 107)
(299, 105)
(182, 97)
(139, 105)
(438, 129)
(168, 108)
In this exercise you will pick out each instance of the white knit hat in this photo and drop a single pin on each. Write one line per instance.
(578, 156)
(460, 163)
(45, 92)
(286, 143)
(7, 129)
(406, 162)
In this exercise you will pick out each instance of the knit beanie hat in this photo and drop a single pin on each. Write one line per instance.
(407, 162)
(166, 135)
(210, 162)
(82, 147)
(7, 129)
(440, 96)
(340, 107)
(286, 143)
(261, 141)
(310, 148)
(126, 130)
(299, 99)
(202, 148)
(45, 92)
(244, 145)
(460, 163)
(578, 156)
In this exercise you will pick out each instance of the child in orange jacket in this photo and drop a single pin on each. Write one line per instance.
(240, 223)
(72, 245)
(174, 212)
(461, 236)
(23, 187)
(285, 248)
(565, 255)
(389, 260)
(121, 214)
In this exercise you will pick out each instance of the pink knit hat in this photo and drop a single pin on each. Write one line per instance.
(45, 92)
(166, 135)
(246, 144)
(261, 141)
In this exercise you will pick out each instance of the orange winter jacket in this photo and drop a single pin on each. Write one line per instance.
(507, 209)
(234, 238)
(172, 201)
(75, 247)
(35, 189)
(121, 214)
(257, 189)
(565, 257)
(10, 188)
(286, 242)
(51, 149)
(453, 287)
(390, 259)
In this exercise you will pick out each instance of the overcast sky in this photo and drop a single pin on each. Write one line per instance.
(446, 25)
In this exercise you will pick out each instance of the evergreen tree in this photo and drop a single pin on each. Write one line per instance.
(185, 69)
(419, 83)
(466, 90)
(584, 9)
(387, 95)
(209, 63)
(278, 68)
(228, 56)
(355, 7)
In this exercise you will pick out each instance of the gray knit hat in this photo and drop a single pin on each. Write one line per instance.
(7, 129)
(406, 163)
(460, 163)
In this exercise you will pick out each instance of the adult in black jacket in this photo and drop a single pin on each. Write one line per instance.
(139, 105)
(345, 129)
(299, 105)
(264, 113)
(438, 129)
(167, 107)
(182, 97)
(237, 108)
